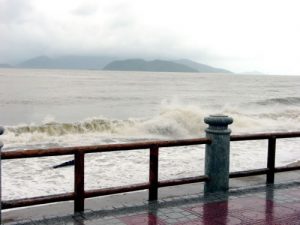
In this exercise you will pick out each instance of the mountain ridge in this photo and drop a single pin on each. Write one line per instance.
(203, 68)
(5, 65)
(113, 63)
(67, 62)
(143, 65)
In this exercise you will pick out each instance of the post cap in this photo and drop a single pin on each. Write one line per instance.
(218, 123)
(218, 120)
(1, 130)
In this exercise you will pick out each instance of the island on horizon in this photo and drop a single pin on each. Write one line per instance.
(183, 65)
(113, 64)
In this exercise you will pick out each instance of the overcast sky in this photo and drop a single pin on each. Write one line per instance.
(239, 35)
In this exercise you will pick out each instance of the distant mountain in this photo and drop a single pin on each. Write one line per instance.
(142, 65)
(110, 63)
(37, 62)
(202, 68)
(67, 62)
(5, 65)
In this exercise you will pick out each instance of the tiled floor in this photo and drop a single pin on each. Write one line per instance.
(262, 205)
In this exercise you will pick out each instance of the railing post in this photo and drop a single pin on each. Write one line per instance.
(79, 182)
(1, 145)
(217, 153)
(153, 173)
(271, 160)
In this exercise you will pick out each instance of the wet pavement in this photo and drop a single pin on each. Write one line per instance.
(275, 204)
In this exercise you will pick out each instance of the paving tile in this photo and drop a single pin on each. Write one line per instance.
(227, 220)
(175, 215)
(102, 221)
(280, 211)
(197, 221)
(171, 221)
(291, 220)
(142, 219)
(209, 209)
(248, 203)
(249, 216)
(292, 205)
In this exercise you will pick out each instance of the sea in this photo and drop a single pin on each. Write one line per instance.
(42, 108)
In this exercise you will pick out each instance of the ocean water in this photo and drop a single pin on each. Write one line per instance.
(50, 108)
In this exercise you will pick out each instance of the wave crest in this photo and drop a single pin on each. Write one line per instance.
(173, 122)
(90, 125)
(282, 101)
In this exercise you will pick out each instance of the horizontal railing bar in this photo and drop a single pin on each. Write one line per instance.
(97, 193)
(135, 146)
(143, 186)
(188, 180)
(247, 173)
(115, 190)
(262, 171)
(37, 200)
(259, 136)
(100, 148)
(19, 154)
(286, 168)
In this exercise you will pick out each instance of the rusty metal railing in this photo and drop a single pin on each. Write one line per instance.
(80, 193)
(270, 170)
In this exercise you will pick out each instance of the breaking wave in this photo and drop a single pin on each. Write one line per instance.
(90, 125)
(173, 122)
(177, 122)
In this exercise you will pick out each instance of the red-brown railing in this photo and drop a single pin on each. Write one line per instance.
(80, 194)
(271, 169)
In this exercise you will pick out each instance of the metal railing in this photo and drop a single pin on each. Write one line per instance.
(270, 170)
(80, 193)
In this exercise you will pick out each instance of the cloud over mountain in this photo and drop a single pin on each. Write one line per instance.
(225, 34)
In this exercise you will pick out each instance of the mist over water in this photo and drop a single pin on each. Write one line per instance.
(47, 108)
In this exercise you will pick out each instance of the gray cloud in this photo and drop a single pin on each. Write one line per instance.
(86, 9)
(14, 11)
(211, 32)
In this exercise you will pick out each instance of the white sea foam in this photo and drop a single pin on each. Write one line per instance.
(173, 121)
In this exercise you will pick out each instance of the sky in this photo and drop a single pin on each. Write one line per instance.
(241, 36)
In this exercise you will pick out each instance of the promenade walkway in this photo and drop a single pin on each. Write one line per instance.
(275, 204)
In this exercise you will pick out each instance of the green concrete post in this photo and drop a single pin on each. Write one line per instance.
(217, 153)
(1, 145)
